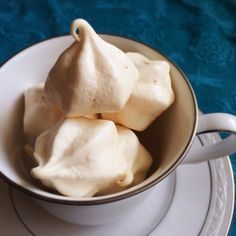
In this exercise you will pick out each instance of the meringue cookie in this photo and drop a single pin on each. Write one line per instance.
(78, 156)
(39, 114)
(91, 76)
(151, 96)
(81, 157)
(137, 161)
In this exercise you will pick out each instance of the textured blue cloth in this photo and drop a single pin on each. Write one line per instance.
(200, 36)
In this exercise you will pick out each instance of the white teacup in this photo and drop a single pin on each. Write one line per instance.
(168, 139)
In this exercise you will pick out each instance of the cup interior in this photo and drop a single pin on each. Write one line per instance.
(167, 139)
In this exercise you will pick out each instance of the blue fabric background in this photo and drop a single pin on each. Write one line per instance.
(200, 36)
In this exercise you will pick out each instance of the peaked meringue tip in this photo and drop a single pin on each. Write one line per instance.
(76, 25)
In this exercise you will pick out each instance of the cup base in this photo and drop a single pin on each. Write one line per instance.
(152, 209)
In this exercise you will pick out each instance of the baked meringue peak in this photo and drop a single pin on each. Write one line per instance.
(151, 96)
(91, 76)
(81, 157)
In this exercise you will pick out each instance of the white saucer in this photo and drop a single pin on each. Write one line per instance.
(198, 200)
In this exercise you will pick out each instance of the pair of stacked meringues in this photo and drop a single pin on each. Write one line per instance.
(82, 117)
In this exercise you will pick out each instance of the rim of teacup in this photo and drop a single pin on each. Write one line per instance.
(64, 200)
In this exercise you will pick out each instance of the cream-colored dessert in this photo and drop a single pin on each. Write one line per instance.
(39, 114)
(151, 95)
(91, 76)
(82, 157)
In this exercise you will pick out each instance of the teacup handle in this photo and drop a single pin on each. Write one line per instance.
(214, 122)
